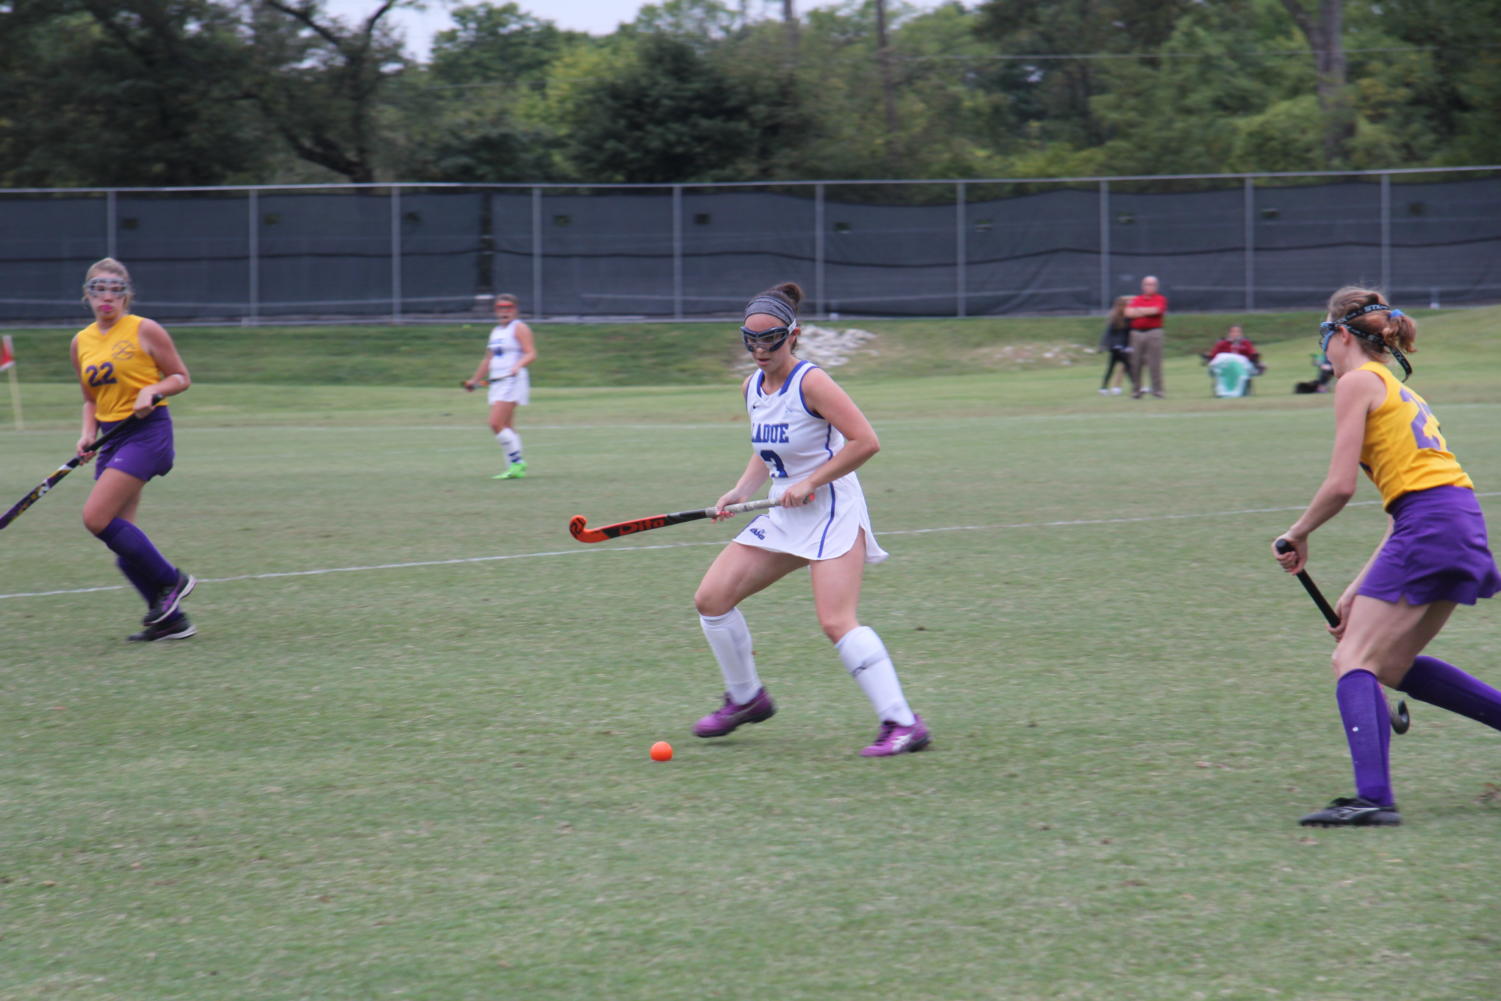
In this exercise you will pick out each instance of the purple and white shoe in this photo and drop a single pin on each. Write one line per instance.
(730, 716)
(169, 598)
(897, 739)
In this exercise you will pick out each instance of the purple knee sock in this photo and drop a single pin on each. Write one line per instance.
(1447, 687)
(1362, 708)
(140, 581)
(147, 565)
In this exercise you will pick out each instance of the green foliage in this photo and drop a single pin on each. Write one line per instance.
(660, 112)
(217, 91)
(149, 92)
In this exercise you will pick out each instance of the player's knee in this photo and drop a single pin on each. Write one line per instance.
(96, 522)
(837, 628)
(709, 602)
(1386, 669)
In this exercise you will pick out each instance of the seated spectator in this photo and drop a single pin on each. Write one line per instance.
(1232, 362)
(1235, 341)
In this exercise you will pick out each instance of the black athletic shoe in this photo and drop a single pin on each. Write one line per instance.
(1353, 811)
(170, 597)
(176, 628)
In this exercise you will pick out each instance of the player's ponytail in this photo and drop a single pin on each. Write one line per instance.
(1381, 327)
(1400, 332)
(791, 291)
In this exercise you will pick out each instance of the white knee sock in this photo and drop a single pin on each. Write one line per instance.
(511, 442)
(730, 639)
(867, 661)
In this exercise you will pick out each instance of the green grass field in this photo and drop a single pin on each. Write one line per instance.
(406, 755)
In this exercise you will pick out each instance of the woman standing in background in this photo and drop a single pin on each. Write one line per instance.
(509, 351)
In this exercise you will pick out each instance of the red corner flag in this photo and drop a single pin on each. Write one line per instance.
(7, 353)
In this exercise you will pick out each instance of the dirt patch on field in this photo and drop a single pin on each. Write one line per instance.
(1033, 355)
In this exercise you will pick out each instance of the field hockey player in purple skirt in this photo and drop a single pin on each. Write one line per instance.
(1434, 556)
(125, 363)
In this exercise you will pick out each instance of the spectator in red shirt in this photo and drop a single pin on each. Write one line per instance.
(1235, 341)
(1146, 313)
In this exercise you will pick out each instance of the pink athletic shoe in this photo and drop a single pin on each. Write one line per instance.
(729, 716)
(897, 739)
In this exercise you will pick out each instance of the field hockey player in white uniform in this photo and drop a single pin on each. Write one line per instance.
(807, 438)
(507, 354)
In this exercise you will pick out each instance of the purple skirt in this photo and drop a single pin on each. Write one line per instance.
(143, 452)
(1438, 551)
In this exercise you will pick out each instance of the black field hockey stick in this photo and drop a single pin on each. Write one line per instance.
(67, 467)
(579, 525)
(1401, 720)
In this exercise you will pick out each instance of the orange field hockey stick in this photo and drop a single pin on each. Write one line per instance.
(579, 525)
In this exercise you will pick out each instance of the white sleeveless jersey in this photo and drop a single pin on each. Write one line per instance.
(505, 349)
(794, 440)
(788, 436)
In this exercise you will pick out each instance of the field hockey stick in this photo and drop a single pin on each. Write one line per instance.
(470, 385)
(67, 467)
(1401, 720)
(578, 524)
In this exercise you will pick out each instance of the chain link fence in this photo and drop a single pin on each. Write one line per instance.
(414, 252)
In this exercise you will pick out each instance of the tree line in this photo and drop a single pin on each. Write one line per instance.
(206, 92)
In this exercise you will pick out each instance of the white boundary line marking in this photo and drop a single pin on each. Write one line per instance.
(459, 561)
(730, 422)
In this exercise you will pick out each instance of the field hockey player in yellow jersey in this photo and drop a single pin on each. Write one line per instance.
(1435, 554)
(124, 363)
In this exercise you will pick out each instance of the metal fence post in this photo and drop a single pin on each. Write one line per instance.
(395, 254)
(819, 295)
(677, 251)
(1386, 234)
(1249, 225)
(961, 259)
(537, 252)
(253, 250)
(1105, 296)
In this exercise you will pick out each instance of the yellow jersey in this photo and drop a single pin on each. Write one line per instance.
(114, 365)
(1403, 449)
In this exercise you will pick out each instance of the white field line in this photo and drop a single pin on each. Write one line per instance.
(586, 550)
(478, 424)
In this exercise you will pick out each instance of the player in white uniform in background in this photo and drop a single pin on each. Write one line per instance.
(508, 353)
(807, 438)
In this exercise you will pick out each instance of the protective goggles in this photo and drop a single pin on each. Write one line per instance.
(106, 286)
(766, 340)
(1329, 328)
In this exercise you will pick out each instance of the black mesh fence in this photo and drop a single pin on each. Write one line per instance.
(937, 248)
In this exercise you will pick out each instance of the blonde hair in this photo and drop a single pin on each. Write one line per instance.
(109, 266)
(1395, 329)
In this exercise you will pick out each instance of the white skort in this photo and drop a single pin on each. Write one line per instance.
(515, 389)
(821, 530)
